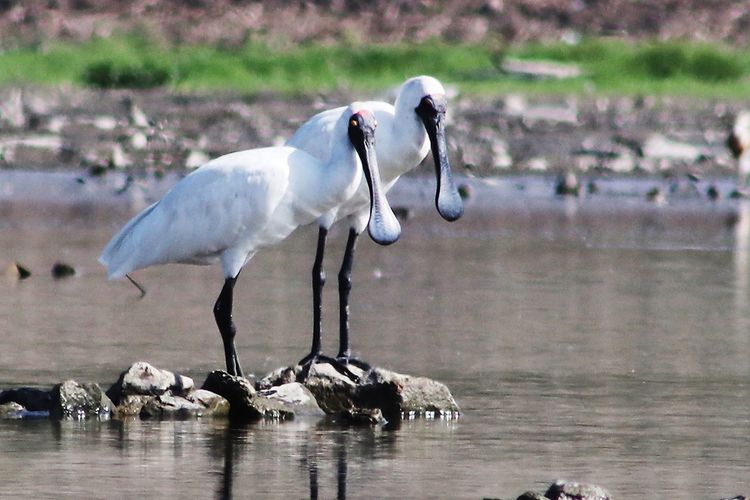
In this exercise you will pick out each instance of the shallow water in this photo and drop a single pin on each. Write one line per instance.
(602, 339)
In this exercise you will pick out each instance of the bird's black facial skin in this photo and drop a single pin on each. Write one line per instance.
(431, 111)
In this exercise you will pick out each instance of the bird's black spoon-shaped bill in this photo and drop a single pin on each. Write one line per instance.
(448, 202)
(383, 226)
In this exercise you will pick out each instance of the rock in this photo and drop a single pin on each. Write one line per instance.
(29, 398)
(659, 147)
(130, 406)
(11, 108)
(295, 397)
(283, 375)
(334, 392)
(138, 140)
(540, 70)
(244, 402)
(567, 185)
(17, 271)
(62, 270)
(74, 401)
(532, 495)
(564, 490)
(11, 410)
(136, 116)
(200, 403)
(403, 396)
(118, 158)
(196, 158)
(142, 379)
(553, 115)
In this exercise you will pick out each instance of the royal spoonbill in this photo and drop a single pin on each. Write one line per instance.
(234, 205)
(406, 132)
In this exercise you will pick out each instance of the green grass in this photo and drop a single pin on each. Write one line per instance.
(610, 66)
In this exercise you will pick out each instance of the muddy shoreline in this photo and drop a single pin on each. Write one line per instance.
(152, 132)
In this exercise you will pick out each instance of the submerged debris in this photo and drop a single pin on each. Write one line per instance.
(17, 271)
(62, 270)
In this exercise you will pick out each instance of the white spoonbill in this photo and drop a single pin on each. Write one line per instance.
(406, 132)
(233, 206)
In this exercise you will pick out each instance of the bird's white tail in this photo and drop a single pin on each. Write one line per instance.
(116, 255)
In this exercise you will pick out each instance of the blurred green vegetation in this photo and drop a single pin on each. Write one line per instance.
(609, 66)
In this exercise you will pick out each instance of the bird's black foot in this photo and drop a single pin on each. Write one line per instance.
(348, 360)
(312, 359)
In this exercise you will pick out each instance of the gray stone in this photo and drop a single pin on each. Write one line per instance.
(532, 495)
(11, 409)
(144, 379)
(403, 396)
(295, 397)
(244, 402)
(74, 401)
(378, 396)
(568, 490)
(130, 406)
(334, 392)
(200, 403)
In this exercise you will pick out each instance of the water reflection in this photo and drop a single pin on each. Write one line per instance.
(600, 339)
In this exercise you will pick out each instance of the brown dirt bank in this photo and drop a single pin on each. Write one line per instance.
(154, 131)
(233, 21)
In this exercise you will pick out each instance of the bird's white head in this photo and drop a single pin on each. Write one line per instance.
(425, 95)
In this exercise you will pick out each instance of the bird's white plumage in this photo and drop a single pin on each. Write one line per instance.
(401, 144)
(237, 204)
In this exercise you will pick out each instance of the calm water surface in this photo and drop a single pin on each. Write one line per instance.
(604, 339)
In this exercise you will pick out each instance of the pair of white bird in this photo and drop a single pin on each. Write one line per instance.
(232, 206)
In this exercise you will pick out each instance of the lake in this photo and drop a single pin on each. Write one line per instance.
(602, 339)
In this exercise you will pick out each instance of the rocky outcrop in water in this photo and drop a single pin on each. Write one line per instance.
(143, 391)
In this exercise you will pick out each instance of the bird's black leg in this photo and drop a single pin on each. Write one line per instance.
(223, 316)
(318, 281)
(345, 287)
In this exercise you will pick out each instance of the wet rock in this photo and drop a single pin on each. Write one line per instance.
(74, 401)
(532, 495)
(11, 410)
(29, 398)
(130, 406)
(401, 396)
(17, 271)
(564, 490)
(378, 395)
(334, 392)
(244, 402)
(295, 397)
(62, 270)
(200, 403)
(143, 379)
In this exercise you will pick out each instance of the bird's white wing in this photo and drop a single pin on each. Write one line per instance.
(223, 204)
